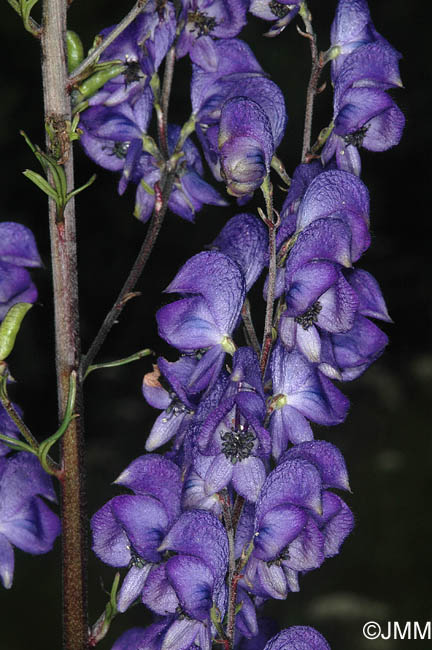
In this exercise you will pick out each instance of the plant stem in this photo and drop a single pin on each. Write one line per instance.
(118, 29)
(317, 66)
(165, 96)
(64, 270)
(249, 327)
(272, 226)
(161, 205)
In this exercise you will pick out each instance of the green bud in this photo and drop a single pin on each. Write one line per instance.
(75, 50)
(90, 86)
(228, 345)
(11, 326)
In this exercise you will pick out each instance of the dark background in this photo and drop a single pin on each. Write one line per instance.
(383, 572)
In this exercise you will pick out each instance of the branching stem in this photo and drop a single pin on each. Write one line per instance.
(161, 204)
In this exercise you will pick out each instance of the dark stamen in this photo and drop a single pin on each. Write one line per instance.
(237, 444)
(310, 316)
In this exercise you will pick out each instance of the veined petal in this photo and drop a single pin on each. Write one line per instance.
(188, 324)
(327, 459)
(329, 194)
(218, 475)
(219, 281)
(156, 476)
(181, 634)
(278, 527)
(193, 583)
(18, 245)
(33, 529)
(245, 240)
(325, 239)
(306, 551)
(298, 638)
(371, 301)
(288, 425)
(295, 482)
(200, 534)
(248, 477)
(132, 586)
(158, 593)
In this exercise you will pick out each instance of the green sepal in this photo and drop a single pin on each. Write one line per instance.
(10, 327)
(92, 84)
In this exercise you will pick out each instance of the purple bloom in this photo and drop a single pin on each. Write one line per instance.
(281, 12)
(128, 530)
(210, 18)
(240, 79)
(205, 318)
(298, 637)
(112, 137)
(352, 27)
(298, 522)
(141, 46)
(177, 408)
(364, 115)
(245, 144)
(304, 394)
(17, 251)
(233, 434)
(25, 520)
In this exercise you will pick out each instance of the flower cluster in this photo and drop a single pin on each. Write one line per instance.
(243, 502)
(238, 112)
(364, 114)
(25, 520)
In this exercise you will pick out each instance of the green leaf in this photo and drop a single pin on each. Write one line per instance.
(42, 183)
(80, 189)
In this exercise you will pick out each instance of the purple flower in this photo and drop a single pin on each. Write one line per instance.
(240, 79)
(25, 520)
(141, 46)
(210, 18)
(364, 115)
(298, 522)
(205, 318)
(352, 27)
(178, 409)
(186, 585)
(345, 356)
(233, 435)
(299, 637)
(304, 394)
(281, 12)
(245, 144)
(17, 251)
(128, 530)
(112, 137)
